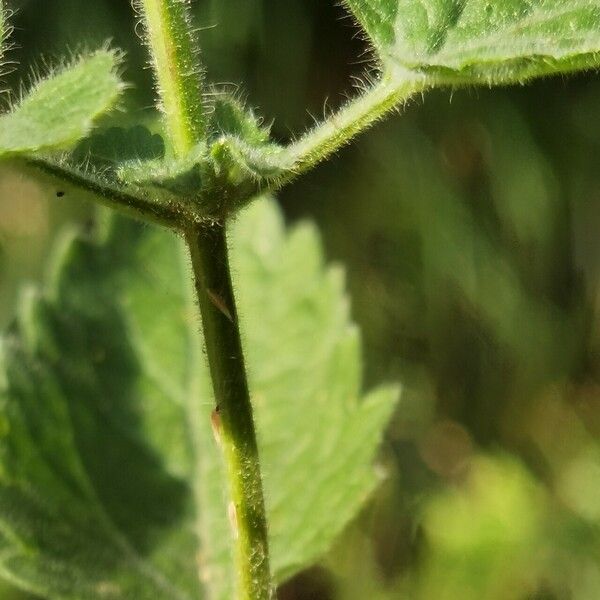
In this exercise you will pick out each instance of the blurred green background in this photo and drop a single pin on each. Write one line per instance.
(470, 231)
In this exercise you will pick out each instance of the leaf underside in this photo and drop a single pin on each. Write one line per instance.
(483, 41)
(61, 109)
(110, 481)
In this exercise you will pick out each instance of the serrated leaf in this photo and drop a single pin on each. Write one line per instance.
(483, 41)
(61, 109)
(110, 481)
(129, 167)
(111, 146)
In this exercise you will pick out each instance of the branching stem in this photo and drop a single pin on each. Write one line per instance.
(356, 116)
(171, 42)
(178, 73)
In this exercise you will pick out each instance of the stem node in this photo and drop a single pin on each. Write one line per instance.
(177, 71)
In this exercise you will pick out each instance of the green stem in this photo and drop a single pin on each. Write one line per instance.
(4, 28)
(234, 419)
(357, 115)
(166, 214)
(178, 71)
(177, 68)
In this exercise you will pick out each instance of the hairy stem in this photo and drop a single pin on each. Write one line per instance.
(233, 421)
(138, 207)
(177, 68)
(357, 115)
(3, 27)
(172, 44)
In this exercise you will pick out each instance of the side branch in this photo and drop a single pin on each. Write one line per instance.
(165, 214)
(339, 129)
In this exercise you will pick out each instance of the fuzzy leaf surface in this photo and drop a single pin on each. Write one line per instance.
(483, 41)
(260, 163)
(110, 480)
(231, 117)
(242, 148)
(61, 109)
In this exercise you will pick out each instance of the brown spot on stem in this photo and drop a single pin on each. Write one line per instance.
(215, 421)
(218, 301)
(233, 519)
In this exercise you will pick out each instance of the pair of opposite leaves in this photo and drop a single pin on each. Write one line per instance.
(439, 42)
(84, 407)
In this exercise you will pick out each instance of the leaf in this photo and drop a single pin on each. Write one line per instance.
(242, 146)
(131, 163)
(61, 109)
(483, 41)
(231, 117)
(114, 145)
(261, 163)
(211, 182)
(110, 481)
